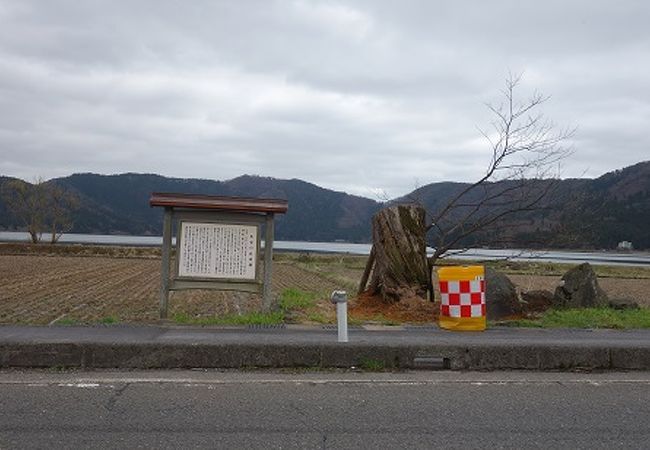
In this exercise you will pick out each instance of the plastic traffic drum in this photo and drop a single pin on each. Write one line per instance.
(462, 296)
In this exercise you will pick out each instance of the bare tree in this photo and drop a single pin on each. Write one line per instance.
(60, 204)
(27, 203)
(526, 150)
(40, 206)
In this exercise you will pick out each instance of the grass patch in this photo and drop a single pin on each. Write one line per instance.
(297, 305)
(253, 318)
(372, 365)
(318, 318)
(297, 299)
(589, 318)
(291, 301)
(110, 320)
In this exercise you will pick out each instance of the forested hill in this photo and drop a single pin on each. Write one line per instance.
(582, 213)
(120, 204)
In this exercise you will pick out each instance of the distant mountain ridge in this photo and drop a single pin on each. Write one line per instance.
(583, 213)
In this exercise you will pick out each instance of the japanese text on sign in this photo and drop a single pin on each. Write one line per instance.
(217, 250)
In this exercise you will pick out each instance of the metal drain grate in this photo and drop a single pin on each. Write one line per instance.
(421, 327)
(279, 326)
(335, 327)
(431, 363)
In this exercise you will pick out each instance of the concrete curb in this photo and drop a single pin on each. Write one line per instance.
(174, 347)
(154, 356)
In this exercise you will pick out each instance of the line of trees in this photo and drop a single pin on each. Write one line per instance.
(42, 207)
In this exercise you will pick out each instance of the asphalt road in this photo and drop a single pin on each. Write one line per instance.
(211, 409)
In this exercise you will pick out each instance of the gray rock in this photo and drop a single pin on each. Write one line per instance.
(537, 300)
(623, 303)
(579, 289)
(501, 296)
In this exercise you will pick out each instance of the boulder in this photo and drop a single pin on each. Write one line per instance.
(501, 298)
(537, 300)
(579, 289)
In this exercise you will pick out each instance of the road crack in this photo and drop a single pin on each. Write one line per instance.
(110, 405)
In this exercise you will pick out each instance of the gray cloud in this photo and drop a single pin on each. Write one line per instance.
(361, 96)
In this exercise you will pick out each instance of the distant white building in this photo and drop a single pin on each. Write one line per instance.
(625, 245)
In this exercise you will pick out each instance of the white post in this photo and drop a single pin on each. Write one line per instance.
(341, 300)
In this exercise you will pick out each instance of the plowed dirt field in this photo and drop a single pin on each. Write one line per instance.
(44, 289)
(84, 286)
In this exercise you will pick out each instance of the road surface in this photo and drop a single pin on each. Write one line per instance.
(213, 409)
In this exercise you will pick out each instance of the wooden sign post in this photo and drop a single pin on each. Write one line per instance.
(217, 243)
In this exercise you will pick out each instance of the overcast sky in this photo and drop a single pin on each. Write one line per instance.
(358, 96)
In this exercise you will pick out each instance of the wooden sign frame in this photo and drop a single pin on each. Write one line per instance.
(192, 208)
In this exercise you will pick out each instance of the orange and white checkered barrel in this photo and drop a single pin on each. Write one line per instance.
(462, 298)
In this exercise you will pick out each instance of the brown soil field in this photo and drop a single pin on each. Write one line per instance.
(44, 287)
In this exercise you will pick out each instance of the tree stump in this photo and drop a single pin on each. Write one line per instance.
(398, 266)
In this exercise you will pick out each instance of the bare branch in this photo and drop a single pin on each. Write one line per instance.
(525, 148)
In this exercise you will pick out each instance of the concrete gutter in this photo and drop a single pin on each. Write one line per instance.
(166, 347)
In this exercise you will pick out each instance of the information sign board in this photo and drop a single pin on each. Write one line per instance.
(217, 251)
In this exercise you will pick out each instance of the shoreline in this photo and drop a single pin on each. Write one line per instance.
(633, 258)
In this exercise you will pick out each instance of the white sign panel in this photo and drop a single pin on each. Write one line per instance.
(217, 250)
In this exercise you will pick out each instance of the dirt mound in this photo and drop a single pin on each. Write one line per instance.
(369, 308)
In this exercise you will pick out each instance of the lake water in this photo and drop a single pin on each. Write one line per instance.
(610, 258)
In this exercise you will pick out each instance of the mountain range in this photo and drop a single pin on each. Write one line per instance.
(583, 213)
